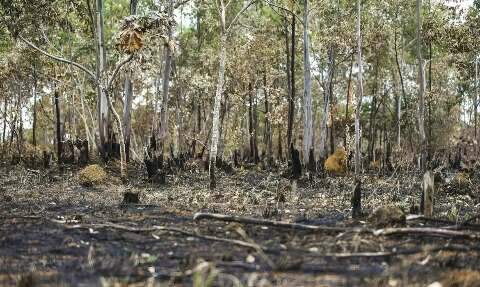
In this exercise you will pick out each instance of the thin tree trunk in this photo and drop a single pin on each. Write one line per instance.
(119, 130)
(287, 69)
(101, 57)
(218, 97)
(332, 101)
(307, 90)
(399, 97)
(166, 86)
(58, 129)
(421, 91)
(291, 98)
(475, 104)
(359, 92)
(5, 109)
(268, 128)
(255, 127)
(128, 91)
(250, 122)
(347, 117)
(34, 124)
(373, 117)
(326, 104)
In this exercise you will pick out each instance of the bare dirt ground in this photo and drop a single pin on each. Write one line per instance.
(55, 232)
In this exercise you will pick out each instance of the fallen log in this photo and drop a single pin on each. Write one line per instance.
(265, 222)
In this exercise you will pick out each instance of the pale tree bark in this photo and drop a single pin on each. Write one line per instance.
(34, 92)
(475, 104)
(58, 131)
(119, 130)
(218, 98)
(326, 103)
(101, 58)
(166, 85)
(291, 99)
(5, 109)
(348, 98)
(307, 92)
(358, 155)
(421, 90)
(127, 103)
(400, 95)
(219, 91)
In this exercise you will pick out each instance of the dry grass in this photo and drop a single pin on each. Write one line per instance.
(92, 175)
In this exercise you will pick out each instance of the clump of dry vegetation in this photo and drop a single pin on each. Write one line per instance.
(460, 184)
(92, 175)
(387, 215)
(336, 163)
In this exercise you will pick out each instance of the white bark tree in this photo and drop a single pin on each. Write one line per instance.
(358, 155)
(307, 92)
(222, 57)
(421, 90)
(128, 94)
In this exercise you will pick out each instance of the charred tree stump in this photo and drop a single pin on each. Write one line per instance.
(296, 164)
(68, 152)
(46, 159)
(235, 158)
(154, 163)
(311, 164)
(357, 199)
(83, 156)
(131, 198)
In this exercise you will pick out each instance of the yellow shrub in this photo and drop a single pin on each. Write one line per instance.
(336, 163)
(92, 175)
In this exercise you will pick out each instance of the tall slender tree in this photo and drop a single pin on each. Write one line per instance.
(307, 90)
(358, 155)
(421, 89)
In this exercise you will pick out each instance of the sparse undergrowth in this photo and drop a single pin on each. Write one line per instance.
(112, 257)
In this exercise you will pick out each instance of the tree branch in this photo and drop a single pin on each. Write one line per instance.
(280, 224)
(286, 10)
(60, 59)
(238, 15)
(117, 69)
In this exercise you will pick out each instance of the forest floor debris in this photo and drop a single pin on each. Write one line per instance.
(55, 231)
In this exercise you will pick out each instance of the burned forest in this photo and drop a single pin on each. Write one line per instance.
(239, 143)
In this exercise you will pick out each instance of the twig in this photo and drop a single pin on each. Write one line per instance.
(265, 222)
(253, 246)
(448, 247)
(428, 231)
(117, 69)
(451, 224)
